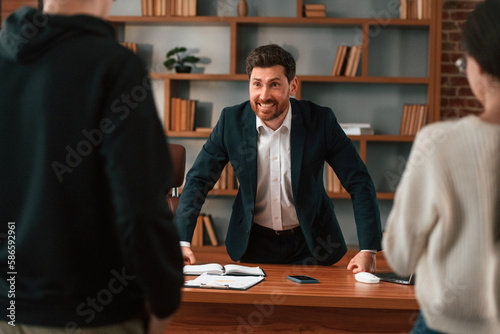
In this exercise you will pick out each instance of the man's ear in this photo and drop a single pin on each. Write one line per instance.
(293, 86)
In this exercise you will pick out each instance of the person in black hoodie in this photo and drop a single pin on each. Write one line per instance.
(86, 239)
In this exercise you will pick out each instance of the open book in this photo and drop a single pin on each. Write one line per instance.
(223, 282)
(217, 269)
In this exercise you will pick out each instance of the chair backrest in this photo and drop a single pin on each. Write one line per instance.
(178, 156)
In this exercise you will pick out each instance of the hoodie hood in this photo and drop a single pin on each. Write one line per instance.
(28, 33)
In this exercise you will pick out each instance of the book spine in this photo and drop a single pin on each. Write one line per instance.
(198, 233)
(336, 61)
(404, 120)
(339, 61)
(207, 220)
(403, 11)
(149, 7)
(345, 59)
(192, 8)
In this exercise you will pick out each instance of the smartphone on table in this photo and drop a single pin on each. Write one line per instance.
(302, 279)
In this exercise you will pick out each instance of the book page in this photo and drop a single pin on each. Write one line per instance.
(234, 269)
(198, 269)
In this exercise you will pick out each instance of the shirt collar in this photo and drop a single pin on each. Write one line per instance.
(287, 122)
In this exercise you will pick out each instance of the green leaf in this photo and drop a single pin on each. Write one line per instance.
(169, 63)
(190, 59)
(177, 49)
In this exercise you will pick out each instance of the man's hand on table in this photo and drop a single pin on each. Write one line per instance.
(363, 262)
(188, 255)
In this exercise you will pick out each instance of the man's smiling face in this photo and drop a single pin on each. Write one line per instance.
(270, 92)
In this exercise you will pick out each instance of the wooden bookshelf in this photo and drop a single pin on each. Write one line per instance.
(430, 80)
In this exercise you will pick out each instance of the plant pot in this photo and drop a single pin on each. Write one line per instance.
(183, 69)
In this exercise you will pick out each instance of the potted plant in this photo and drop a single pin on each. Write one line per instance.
(175, 58)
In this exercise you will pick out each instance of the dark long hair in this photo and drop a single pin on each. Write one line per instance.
(481, 36)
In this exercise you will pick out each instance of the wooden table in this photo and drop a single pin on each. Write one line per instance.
(337, 304)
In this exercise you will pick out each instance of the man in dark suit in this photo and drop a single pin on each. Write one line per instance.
(278, 147)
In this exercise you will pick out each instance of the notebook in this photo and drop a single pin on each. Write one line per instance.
(223, 282)
(395, 278)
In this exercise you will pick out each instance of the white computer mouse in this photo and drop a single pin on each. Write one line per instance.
(365, 277)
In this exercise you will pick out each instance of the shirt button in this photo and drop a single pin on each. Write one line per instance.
(276, 218)
(275, 179)
(275, 158)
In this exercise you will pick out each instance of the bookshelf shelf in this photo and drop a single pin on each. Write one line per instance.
(360, 138)
(363, 79)
(341, 195)
(188, 134)
(344, 195)
(302, 78)
(383, 138)
(196, 76)
(244, 33)
(331, 21)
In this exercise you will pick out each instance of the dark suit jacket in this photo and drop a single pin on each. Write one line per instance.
(316, 137)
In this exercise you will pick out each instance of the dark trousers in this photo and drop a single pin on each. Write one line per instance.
(266, 246)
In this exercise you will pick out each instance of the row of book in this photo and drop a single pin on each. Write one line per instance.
(177, 7)
(333, 184)
(408, 9)
(204, 223)
(414, 118)
(183, 111)
(415, 9)
(182, 114)
(227, 179)
(130, 45)
(347, 60)
(315, 10)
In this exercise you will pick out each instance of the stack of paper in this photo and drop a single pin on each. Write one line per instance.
(356, 129)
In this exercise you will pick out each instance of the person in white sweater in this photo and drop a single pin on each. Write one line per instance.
(445, 222)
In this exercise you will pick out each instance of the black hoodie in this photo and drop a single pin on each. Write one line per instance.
(85, 234)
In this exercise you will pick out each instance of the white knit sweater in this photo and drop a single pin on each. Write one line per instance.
(445, 225)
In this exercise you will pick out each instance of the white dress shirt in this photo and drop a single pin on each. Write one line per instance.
(274, 205)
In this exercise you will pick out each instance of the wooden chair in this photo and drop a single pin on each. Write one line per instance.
(178, 156)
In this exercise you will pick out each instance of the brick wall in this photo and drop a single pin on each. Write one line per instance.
(457, 99)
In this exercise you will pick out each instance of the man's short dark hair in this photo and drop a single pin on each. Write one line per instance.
(271, 55)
